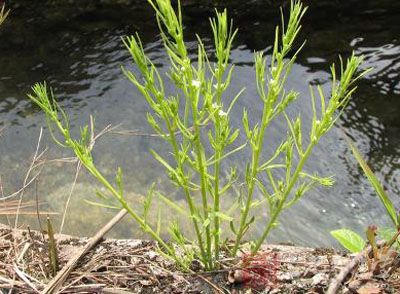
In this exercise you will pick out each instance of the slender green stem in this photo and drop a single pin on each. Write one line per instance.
(93, 170)
(217, 205)
(186, 191)
(282, 201)
(203, 179)
(253, 173)
(217, 165)
(140, 221)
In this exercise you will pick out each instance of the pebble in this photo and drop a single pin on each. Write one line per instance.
(285, 277)
(296, 274)
(151, 255)
(309, 273)
(320, 279)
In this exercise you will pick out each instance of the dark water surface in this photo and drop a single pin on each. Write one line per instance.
(78, 51)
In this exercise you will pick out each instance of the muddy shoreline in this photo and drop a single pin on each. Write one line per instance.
(136, 266)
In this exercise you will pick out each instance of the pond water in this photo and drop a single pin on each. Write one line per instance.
(78, 51)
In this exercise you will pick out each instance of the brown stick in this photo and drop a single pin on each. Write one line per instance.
(216, 288)
(340, 278)
(54, 285)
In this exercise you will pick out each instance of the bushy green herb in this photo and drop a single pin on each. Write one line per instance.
(200, 100)
(57, 120)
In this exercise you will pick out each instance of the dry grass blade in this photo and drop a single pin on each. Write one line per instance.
(26, 185)
(27, 213)
(3, 14)
(14, 207)
(71, 191)
(36, 157)
(24, 277)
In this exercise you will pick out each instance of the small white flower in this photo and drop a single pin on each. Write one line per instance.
(217, 86)
(215, 105)
(222, 113)
(196, 83)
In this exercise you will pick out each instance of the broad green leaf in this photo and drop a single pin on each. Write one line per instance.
(349, 240)
(376, 184)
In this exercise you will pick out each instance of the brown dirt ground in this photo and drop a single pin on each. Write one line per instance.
(136, 266)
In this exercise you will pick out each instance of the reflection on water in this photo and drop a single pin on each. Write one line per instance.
(79, 52)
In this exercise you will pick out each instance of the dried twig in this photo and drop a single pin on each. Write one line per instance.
(26, 180)
(58, 280)
(21, 255)
(215, 287)
(78, 168)
(55, 160)
(22, 189)
(338, 281)
(24, 277)
(37, 206)
(115, 291)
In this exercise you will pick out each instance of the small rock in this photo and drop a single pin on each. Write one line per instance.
(285, 277)
(146, 282)
(151, 255)
(296, 274)
(196, 265)
(309, 273)
(320, 279)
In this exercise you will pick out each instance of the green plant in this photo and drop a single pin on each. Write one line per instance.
(82, 147)
(351, 240)
(195, 121)
(3, 14)
(379, 256)
(373, 180)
